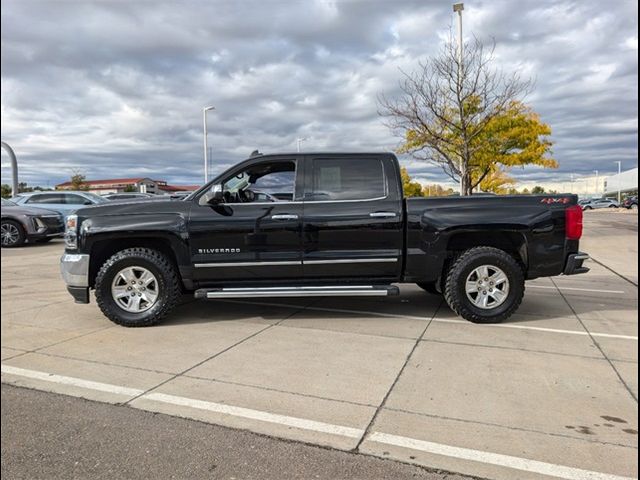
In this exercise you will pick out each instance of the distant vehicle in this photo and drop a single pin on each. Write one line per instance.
(62, 201)
(128, 196)
(180, 195)
(630, 203)
(21, 224)
(596, 203)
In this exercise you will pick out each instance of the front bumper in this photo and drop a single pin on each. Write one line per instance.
(574, 264)
(75, 273)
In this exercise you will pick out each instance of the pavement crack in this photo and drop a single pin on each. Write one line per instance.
(217, 354)
(395, 381)
(595, 342)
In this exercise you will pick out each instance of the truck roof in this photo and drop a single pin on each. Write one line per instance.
(319, 154)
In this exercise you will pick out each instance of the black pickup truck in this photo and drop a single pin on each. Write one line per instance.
(326, 224)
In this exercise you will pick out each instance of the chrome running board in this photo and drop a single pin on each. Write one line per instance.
(319, 291)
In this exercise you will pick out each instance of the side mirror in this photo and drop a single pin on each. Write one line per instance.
(214, 196)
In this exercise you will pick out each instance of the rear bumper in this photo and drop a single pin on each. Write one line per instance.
(574, 264)
(75, 273)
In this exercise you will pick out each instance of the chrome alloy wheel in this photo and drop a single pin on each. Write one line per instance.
(135, 289)
(487, 287)
(10, 234)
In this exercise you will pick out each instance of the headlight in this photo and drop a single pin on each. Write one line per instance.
(71, 231)
(40, 225)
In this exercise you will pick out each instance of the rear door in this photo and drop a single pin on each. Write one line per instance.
(352, 224)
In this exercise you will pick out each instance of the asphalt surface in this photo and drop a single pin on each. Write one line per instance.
(552, 392)
(50, 436)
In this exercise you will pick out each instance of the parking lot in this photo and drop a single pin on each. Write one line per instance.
(550, 393)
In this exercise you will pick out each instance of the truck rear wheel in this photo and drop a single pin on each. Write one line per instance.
(136, 287)
(484, 285)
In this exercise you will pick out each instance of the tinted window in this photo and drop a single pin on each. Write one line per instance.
(46, 198)
(71, 199)
(347, 179)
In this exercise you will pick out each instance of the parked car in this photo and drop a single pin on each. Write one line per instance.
(630, 203)
(62, 201)
(22, 224)
(596, 203)
(129, 196)
(347, 231)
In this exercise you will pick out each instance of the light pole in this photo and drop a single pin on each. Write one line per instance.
(458, 8)
(596, 172)
(206, 149)
(299, 140)
(618, 179)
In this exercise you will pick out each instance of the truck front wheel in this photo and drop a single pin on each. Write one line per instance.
(136, 287)
(484, 285)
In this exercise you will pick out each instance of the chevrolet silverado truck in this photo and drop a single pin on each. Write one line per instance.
(326, 224)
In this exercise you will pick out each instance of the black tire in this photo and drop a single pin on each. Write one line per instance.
(588, 208)
(17, 229)
(454, 288)
(429, 287)
(168, 286)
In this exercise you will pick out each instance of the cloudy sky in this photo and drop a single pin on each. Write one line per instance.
(116, 88)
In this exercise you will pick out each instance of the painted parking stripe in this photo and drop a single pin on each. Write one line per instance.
(295, 422)
(71, 381)
(576, 289)
(517, 463)
(522, 464)
(441, 320)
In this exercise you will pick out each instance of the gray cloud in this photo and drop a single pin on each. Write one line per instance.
(116, 88)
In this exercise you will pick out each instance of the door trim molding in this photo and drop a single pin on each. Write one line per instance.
(268, 263)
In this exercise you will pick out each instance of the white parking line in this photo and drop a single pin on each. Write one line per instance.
(71, 381)
(295, 422)
(442, 320)
(517, 463)
(592, 290)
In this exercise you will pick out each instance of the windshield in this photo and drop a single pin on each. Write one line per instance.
(8, 203)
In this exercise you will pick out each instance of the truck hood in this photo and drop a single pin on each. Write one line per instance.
(135, 207)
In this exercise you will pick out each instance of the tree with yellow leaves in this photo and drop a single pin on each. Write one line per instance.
(467, 118)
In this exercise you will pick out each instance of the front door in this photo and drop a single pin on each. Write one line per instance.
(254, 235)
(352, 218)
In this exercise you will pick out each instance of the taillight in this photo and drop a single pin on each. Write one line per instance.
(573, 222)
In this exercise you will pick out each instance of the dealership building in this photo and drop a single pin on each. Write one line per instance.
(625, 183)
(119, 185)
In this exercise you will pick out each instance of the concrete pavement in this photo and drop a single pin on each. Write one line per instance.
(550, 393)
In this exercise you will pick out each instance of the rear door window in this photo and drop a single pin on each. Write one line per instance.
(347, 179)
(71, 199)
(46, 198)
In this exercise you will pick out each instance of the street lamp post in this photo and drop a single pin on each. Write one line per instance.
(618, 180)
(596, 172)
(299, 140)
(458, 8)
(206, 148)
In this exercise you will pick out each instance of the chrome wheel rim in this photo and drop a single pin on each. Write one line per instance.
(487, 287)
(135, 289)
(10, 234)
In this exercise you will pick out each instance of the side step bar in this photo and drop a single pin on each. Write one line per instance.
(320, 291)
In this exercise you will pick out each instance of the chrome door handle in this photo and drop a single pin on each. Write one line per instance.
(284, 216)
(383, 214)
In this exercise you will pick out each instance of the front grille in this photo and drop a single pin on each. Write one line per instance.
(53, 222)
